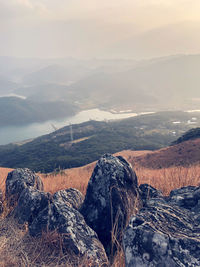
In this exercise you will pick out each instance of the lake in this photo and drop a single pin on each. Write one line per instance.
(11, 134)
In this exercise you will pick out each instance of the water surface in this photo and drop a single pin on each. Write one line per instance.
(11, 134)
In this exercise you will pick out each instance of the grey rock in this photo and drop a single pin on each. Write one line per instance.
(112, 196)
(162, 234)
(147, 192)
(77, 235)
(186, 197)
(72, 197)
(18, 180)
(31, 202)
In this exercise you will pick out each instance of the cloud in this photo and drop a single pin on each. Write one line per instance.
(22, 9)
(89, 27)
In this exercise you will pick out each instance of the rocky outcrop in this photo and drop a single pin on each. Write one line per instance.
(163, 231)
(71, 197)
(186, 197)
(44, 212)
(112, 196)
(31, 202)
(166, 232)
(147, 192)
(18, 180)
(77, 236)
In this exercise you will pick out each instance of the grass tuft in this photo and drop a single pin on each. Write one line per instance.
(17, 248)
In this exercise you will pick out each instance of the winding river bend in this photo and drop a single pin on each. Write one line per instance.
(11, 134)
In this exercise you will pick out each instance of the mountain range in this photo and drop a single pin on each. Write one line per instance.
(17, 111)
(167, 83)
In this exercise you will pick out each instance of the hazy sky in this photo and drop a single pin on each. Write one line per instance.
(99, 28)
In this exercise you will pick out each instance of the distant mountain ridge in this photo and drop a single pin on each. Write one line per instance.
(160, 84)
(163, 83)
(189, 135)
(17, 111)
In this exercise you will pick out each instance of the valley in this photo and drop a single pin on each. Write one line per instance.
(91, 139)
(58, 88)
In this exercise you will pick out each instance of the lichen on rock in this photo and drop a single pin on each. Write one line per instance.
(112, 196)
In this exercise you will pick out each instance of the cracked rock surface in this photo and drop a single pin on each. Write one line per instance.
(31, 202)
(44, 212)
(147, 192)
(112, 195)
(20, 179)
(166, 232)
(72, 197)
(77, 235)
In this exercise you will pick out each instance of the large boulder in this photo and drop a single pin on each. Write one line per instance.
(76, 235)
(31, 202)
(165, 233)
(18, 180)
(72, 197)
(112, 196)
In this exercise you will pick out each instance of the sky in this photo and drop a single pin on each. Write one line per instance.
(133, 29)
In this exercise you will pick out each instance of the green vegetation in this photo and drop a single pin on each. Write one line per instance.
(189, 135)
(55, 150)
(16, 111)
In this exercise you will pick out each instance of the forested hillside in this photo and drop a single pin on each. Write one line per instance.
(77, 145)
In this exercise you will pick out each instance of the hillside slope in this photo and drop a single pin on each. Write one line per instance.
(17, 111)
(159, 85)
(92, 139)
(184, 154)
(189, 135)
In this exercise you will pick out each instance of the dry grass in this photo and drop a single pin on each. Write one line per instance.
(17, 248)
(77, 178)
(186, 153)
(165, 179)
(169, 178)
(3, 175)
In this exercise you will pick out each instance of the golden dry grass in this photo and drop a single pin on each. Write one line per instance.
(3, 175)
(77, 178)
(163, 179)
(169, 178)
(17, 248)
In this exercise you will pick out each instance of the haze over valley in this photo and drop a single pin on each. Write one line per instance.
(161, 83)
(59, 60)
(54, 90)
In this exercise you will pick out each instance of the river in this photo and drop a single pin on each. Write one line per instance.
(11, 134)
